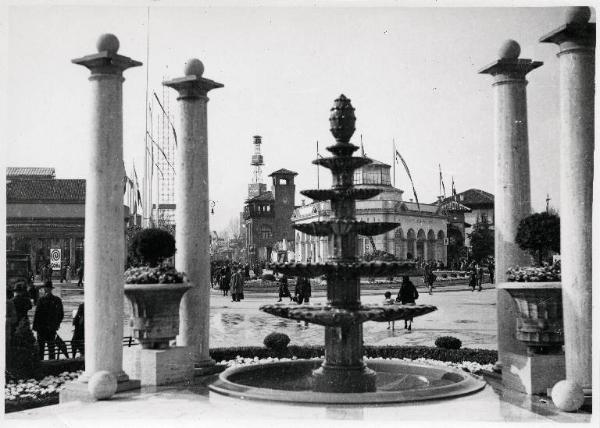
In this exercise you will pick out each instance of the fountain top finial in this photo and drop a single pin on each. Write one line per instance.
(193, 67)
(510, 49)
(578, 15)
(342, 119)
(108, 42)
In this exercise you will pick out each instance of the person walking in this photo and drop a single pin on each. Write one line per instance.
(68, 274)
(78, 340)
(10, 324)
(491, 268)
(429, 277)
(46, 320)
(237, 285)
(284, 290)
(407, 295)
(479, 276)
(225, 279)
(22, 302)
(473, 278)
(80, 276)
(389, 301)
(303, 290)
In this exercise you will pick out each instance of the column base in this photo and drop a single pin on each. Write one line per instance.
(532, 374)
(158, 366)
(78, 390)
(344, 379)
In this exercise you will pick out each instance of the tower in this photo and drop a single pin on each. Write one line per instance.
(284, 192)
(256, 186)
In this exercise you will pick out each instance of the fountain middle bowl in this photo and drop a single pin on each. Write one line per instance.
(397, 382)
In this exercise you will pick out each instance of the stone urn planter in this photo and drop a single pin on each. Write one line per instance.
(155, 316)
(539, 315)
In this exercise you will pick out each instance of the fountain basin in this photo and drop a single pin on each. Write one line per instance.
(331, 316)
(397, 382)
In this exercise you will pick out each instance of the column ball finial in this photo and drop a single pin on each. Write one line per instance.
(193, 67)
(510, 49)
(578, 15)
(108, 42)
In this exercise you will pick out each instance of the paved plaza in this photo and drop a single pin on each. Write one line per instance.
(469, 316)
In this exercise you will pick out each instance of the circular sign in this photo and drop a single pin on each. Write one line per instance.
(55, 255)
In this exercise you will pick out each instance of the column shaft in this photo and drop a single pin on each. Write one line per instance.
(576, 179)
(104, 243)
(192, 230)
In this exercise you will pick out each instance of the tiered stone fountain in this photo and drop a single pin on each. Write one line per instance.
(343, 377)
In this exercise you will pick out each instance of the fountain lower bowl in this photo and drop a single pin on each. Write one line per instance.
(397, 382)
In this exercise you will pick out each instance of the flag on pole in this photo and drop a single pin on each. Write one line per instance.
(443, 187)
(398, 156)
(453, 189)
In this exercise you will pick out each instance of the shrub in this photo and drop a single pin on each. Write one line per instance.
(153, 245)
(481, 356)
(277, 342)
(22, 357)
(538, 234)
(448, 342)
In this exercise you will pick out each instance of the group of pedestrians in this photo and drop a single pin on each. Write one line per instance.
(65, 275)
(47, 319)
(407, 295)
(302, 291)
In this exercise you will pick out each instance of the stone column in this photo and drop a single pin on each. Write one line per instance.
(576, 40)
(512, 190)
(104, 243)
(71, 251)
(192, 212)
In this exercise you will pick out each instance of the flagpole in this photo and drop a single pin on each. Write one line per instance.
(394, 161)
(318, 184)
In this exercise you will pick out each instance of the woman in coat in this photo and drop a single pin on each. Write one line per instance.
(237, 285)
(407, 295)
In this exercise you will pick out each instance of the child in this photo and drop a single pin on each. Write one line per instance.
(389, 301)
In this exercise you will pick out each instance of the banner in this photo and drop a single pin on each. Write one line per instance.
(55, 258)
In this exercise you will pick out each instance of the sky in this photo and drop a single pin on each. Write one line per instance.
(411, 73)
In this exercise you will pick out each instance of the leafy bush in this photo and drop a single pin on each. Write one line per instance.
(539, 233)
(152, 246)
(22, 357)
(534, 274)
(448, 342)
(277, 342)
(481, 356)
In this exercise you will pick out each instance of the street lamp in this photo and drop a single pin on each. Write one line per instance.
(212, 207)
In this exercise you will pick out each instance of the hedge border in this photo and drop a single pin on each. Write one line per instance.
(481, 356)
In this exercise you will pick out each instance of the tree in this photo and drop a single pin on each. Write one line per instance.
(482, 241)
(456, 243)
(152, 246)
(538, 234)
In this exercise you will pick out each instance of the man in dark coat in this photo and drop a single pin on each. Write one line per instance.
(237, 285)
(303, 291)
(78, 340)
(46, 321)
(80, 276)
(407, 295)
(22, 302)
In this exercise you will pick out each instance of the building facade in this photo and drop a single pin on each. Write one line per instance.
(44, 213)
(421, 233)
(480, 206)
(267, 217)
